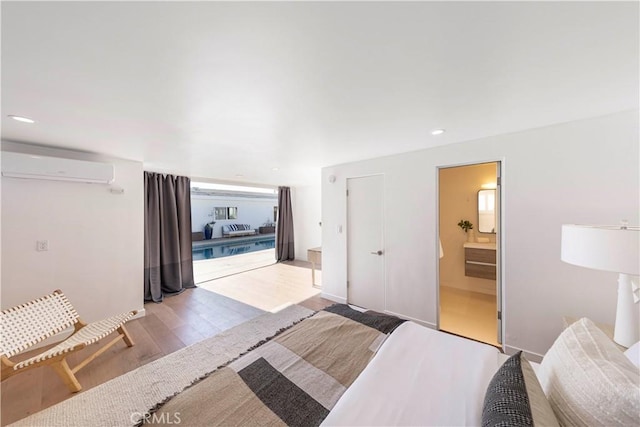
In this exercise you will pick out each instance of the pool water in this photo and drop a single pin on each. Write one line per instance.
(224, 249)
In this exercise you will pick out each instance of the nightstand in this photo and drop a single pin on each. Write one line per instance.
(314, 256)
(607, 329)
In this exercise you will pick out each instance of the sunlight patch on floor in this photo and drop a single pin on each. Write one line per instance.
(270, 288)
(209, 269)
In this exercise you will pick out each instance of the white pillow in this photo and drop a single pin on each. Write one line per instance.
(589, 381)
(633, 354)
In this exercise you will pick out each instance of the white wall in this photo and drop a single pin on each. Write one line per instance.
(95, 238)
(579, 172)
(307, 214)
(254, 212)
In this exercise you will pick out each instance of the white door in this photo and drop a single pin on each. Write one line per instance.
(365, 249)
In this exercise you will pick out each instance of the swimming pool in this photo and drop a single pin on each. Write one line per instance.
(224, 248)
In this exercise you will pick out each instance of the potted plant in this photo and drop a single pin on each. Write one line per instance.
(467, 226)
(208, 230)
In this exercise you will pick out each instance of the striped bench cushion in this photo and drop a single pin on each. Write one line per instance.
(238, 227)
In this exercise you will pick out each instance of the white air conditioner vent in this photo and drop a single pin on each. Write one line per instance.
(28, 166)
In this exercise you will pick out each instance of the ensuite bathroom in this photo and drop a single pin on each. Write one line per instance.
(469, 226)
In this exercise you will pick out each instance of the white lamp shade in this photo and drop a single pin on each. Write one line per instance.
(607, 248)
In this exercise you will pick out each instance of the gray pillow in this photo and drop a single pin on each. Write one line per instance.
(514, 397)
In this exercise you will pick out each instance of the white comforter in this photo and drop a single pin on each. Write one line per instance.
(420, 377)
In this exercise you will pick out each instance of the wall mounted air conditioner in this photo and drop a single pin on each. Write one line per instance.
(18, 165)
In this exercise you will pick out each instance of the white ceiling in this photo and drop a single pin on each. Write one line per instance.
(219, 89)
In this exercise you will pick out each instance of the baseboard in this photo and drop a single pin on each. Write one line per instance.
(531, 356)
(413, 319)
(141, 313)
(333, 298)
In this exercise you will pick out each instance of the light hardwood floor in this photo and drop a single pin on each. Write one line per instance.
(469, 314)
(179, 321)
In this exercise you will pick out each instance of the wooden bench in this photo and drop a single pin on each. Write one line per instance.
(27, 324)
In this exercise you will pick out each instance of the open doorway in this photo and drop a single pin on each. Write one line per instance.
(233, 229)
(469, 230)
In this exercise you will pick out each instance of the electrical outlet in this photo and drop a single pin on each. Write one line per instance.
(42, 245)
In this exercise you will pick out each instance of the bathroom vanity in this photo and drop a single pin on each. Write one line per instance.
(480, 260)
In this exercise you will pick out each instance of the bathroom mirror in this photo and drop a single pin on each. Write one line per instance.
(487, 211)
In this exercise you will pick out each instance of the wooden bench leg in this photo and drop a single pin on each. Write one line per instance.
(125, 336)
(63, 370)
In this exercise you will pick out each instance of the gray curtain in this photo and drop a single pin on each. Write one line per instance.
(284, 226)
(168, 264)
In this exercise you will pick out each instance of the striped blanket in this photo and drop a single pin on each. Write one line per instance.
(295, 379)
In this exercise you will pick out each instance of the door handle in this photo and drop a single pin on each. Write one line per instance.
(377, 253)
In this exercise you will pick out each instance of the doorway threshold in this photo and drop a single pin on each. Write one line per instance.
(210, 269)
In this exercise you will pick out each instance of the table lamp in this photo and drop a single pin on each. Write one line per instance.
(616, 249)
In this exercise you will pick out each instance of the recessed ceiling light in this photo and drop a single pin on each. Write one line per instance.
(239, 175)
(22, 119)
(437, 132)
(275, 169)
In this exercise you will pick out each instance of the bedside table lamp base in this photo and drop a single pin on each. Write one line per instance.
(627, 329)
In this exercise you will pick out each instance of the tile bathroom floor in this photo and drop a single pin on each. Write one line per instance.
(469, 314)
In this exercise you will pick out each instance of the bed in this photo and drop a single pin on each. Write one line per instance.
(342, 367)
(445, 386)
(585, 379)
